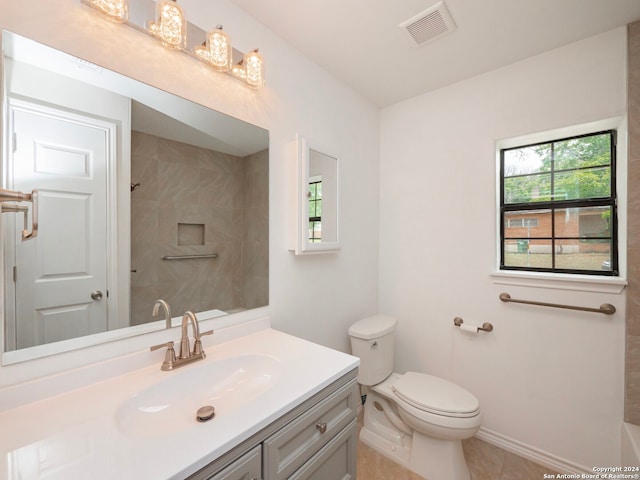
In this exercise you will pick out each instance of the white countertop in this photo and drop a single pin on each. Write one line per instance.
(75, 435)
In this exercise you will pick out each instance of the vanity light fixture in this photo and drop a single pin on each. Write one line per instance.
(250, 69)
(166, 21)
(217, 50)
(116, 10)
(254, 67)
(170, 26)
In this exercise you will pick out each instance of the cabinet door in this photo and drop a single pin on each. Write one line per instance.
(293, 445)
(337, 460)
(247, 467)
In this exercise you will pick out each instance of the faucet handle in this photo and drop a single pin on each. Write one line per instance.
(197, 345)
(168, 345)
(169, 357)
(209, 332)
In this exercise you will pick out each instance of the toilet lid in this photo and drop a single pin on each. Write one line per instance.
(435, 395)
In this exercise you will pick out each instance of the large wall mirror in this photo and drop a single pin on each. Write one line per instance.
(142, 195)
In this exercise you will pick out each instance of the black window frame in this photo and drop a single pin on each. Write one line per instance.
(553, 205)
(316, 218)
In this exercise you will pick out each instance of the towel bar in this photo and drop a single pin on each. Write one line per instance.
(605, 308)
(188, 257)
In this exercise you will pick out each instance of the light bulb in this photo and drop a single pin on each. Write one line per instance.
(116, 10)
(254, 68)
(171, 25)
(239, 71)
(219, 49)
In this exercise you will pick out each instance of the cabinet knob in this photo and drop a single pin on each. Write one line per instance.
(322, 427)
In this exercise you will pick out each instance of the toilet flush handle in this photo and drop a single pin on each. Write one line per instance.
(374, 344)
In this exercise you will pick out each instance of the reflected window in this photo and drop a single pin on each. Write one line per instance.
(315, 210)
(558, 206)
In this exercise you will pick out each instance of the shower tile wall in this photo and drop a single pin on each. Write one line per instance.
(204, 191)
(632, 373)
(255, 230)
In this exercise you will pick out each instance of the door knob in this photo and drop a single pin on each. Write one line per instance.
(96, 295)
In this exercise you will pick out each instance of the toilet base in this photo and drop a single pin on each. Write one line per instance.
(430, 457)
(398, 453)
(438, 459)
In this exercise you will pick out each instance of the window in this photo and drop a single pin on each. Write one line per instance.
(315, 210)
(558, 206)
(521, 222)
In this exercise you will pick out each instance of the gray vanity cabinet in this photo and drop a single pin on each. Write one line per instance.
(288, 449)
(314, 441)
(247, 467)
(336, 461)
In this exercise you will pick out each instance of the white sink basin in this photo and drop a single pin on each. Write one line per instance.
(170, 405)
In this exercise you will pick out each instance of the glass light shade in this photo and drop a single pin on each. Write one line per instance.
(116, 10)
(219, 50)
(239, 71)
(254, 68)
(171, 25)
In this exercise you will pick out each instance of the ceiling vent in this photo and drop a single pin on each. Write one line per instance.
(433, 23)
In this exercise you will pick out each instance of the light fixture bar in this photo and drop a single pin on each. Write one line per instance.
(142, 12)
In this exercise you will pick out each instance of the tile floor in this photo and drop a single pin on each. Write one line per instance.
(486, 462)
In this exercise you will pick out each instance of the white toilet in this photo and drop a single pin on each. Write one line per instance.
(417, 420)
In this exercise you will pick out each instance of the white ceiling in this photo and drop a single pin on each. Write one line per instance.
(359, 41)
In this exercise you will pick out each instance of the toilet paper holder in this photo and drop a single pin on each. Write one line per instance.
(486, 326)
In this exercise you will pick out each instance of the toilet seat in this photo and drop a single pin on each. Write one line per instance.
(435, 395)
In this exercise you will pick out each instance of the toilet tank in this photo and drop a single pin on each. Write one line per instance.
(372, 340)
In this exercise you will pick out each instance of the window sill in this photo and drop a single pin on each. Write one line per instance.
(578, 283)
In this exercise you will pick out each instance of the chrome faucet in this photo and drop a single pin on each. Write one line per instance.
(186, 355)
(165, 308)
(188, 317)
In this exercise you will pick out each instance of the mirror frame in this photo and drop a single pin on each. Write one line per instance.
(299, 235)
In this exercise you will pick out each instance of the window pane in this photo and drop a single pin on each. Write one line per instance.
(583, 152)
(584, 223)
(586, 259)
(315, 231)
(527, 160)
(527, 224)
(531, 188)
(528, 253)
(589, 183)
(584, 251)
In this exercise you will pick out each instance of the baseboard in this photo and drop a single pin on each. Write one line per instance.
(536, 455)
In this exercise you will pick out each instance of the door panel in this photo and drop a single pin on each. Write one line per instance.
(64, 156)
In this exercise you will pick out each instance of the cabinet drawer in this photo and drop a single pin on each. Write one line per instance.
(247, 467)
(336, 460)
(291, 446)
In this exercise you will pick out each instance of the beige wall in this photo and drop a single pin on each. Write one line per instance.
(196, 201)
(632, 373)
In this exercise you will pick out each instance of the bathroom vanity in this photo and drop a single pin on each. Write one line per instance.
(284, 408)
(316, 440)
